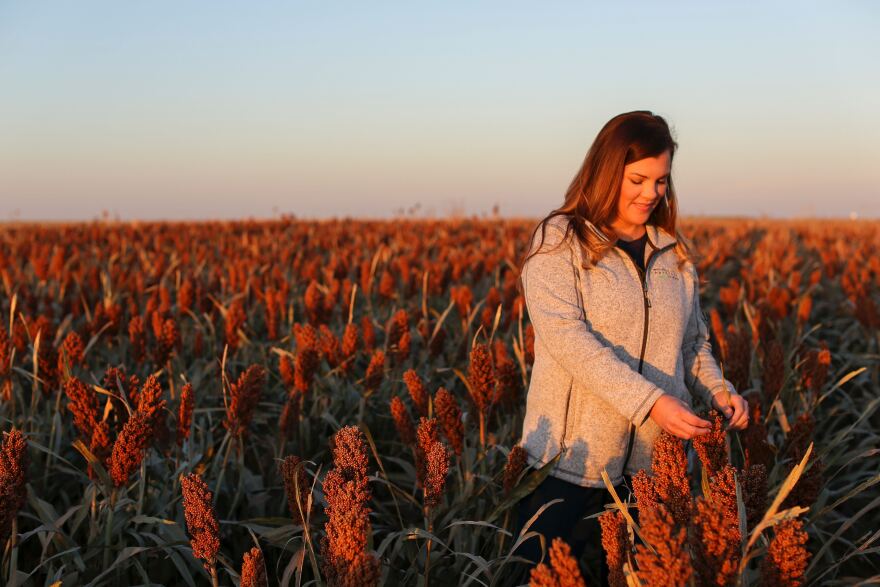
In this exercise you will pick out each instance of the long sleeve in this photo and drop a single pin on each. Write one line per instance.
(702, 373)
(552, 303)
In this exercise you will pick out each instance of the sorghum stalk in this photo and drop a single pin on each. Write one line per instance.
(48, 464)
(239, 461)
(429, 526)
(372, 380)
(229, 439)
(294, 477)
(108, 529)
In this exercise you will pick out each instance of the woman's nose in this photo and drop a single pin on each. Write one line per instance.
(653, 192)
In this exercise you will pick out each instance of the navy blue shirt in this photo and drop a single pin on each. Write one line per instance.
(636, 249)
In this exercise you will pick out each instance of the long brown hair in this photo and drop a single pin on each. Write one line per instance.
(595, 190)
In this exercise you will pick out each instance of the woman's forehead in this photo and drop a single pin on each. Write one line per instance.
(650, 166)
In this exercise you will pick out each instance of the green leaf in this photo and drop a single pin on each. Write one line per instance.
(840, 382)
(151, 520)
(476, 523)
(125, 554)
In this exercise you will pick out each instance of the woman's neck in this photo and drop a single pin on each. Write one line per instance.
(629, 233)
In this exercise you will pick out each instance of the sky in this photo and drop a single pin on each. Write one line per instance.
(207, 110)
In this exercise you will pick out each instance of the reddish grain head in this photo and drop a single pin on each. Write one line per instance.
(345, 560)
(402, 421)
(712, 447)
(350, 340)
(417, 391)
(201, 519)
(563, 570)
(449, 415)
(296, 487)
(74, 349)
(128, 449)
(100, 445)
(615, 542)
(330, 347)
(234, 320)
(785, 563)
(14, 461)
(152, 405)
(286, 370)
(515, 465)
(529, 344)
(137, 337)
(375, 372)
(669, 464)
(481, 376)
(368, 334)
(82, 402)
(244, 395)
(185, 413)
(253, 569)
(715, 542)
(507, 375)
(306, 363)
(669, 564)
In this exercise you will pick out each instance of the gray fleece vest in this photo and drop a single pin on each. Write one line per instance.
(609, 342)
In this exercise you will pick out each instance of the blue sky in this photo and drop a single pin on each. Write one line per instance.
(224, 110)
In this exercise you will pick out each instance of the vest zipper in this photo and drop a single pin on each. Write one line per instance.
(644, 281)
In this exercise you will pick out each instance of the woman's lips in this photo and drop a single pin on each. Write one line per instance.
(644, 208)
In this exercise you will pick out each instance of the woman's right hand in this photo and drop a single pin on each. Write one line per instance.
(676, 417)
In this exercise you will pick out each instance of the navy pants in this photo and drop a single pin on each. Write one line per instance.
(566, 520)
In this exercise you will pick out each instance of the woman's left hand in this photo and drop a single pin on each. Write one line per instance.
(736, 412)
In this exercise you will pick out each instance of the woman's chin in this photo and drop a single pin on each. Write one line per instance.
(637, 219)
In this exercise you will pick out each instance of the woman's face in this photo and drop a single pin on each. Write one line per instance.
(642, 188)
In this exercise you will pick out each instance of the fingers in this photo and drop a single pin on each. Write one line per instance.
(691, 418)
(740, 418)
(686, 425)
(698, 431)
(685, 431)
(725, 409)
(682, 432)
(683, 423)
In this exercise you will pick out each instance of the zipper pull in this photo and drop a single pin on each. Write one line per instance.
(645, 291)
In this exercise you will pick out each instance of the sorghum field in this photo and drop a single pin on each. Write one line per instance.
(300, 402)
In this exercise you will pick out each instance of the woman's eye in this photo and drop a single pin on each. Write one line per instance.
(636, 182)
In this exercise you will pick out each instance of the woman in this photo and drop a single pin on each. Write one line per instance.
(621, 344)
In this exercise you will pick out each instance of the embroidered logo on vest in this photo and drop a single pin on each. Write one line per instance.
(664, 273)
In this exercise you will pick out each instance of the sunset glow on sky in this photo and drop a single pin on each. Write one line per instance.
(225, 110)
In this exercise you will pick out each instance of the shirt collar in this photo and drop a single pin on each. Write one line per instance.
(657, 235)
